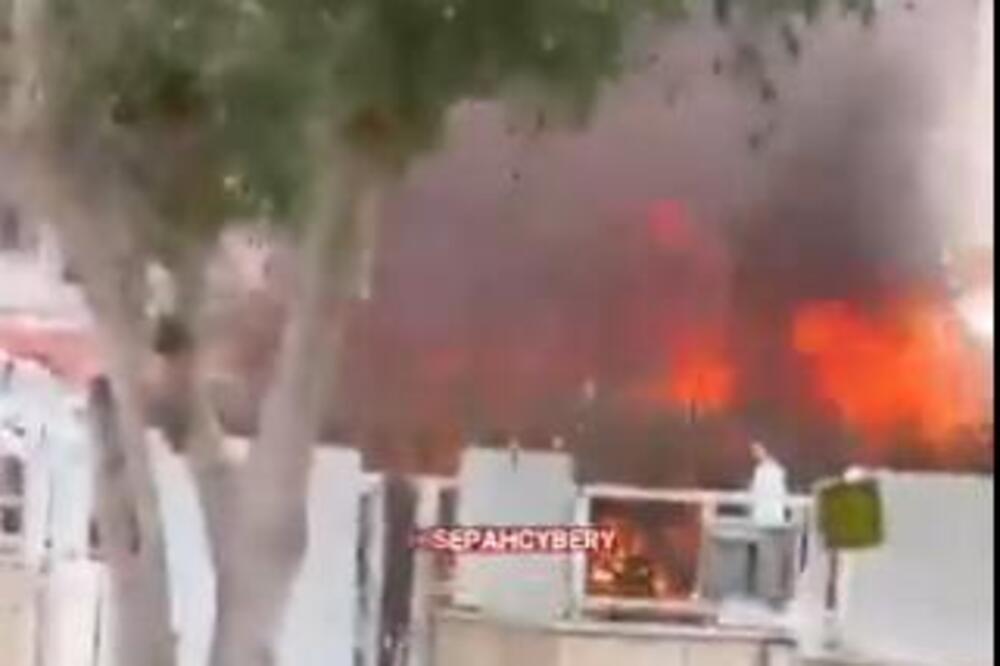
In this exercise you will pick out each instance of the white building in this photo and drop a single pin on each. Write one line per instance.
(54, 608)
(915, 600)
(44, 491)
(37, 280)
(364, 597)
(924, 597)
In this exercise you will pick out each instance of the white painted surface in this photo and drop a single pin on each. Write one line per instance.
(926, 595)
(71, 498)
(71, 614)
(320, 627)
(18, 616)
(192, 579)
(33, 280)
(465, 640)
(807, 616)
(424, 582)
(41, 423)
(498, 487)
(50, 586)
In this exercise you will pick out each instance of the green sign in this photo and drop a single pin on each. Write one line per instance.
(850, 515)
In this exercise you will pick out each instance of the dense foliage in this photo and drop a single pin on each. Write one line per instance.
(219, 108)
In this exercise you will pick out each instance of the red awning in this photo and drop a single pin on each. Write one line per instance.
(69, 353)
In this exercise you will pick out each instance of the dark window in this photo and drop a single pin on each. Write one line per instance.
(70, 274)
(448, 507)
(734, 510)
(94, 536)
(444, 561)
(10, 229)
(11, 520)
(11, 477)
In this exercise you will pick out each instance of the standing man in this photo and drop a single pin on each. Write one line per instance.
(768, 489)
(769, 565)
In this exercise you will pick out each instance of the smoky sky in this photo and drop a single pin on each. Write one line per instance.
(515, 267)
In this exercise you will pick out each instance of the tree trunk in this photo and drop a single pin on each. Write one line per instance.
(268, 537)
(113, 282)
(24, 61)
(138, 576)
(193, 425)
(94, 218)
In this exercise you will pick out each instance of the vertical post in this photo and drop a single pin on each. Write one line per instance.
(422, 603)
(371, 548)
(578, 560)
(831, 637)
(709, 510)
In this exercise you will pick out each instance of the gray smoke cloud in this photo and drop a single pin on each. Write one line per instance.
(833, 160)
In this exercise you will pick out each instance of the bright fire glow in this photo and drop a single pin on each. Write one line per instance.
(699, 376)
(978, 313)
(703, 377)
(907, 366)
(627, 569)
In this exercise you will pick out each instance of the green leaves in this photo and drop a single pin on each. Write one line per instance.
(199, 94)
(419, 58)
(225, 108)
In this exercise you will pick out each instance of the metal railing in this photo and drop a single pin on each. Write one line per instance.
(713, 507)
(716, 509)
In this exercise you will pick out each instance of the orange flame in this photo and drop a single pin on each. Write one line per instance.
(907, 367)
(608, 571)
(700, 375)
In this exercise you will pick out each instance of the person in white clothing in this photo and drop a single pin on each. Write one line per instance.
(769, 566)
(768, 490)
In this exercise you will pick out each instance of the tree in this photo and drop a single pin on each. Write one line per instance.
(120, 539)
(144, 127)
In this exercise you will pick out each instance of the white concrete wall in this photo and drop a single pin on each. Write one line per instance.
(320, 630)
(49, 590)
(926, 595)
(320, 627)
(33, 281)
(71, 595)
(192, 580)
(498, 487)
(462, 641)
(18, 616)
(807, 615)
(71, 497)
(71, 612)
(56, 451)
(425, 580)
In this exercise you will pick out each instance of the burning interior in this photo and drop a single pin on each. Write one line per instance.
(656, 553)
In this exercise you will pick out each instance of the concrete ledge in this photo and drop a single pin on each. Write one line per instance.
(465, 638)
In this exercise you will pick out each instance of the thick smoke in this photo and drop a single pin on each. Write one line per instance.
(542, 285)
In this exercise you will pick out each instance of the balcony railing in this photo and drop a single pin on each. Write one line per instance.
(723, 522)
(723, 518)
